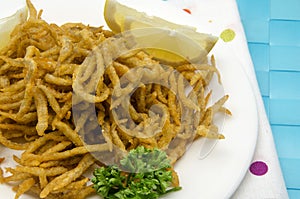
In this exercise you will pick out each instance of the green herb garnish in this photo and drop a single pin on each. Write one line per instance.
(143, 174)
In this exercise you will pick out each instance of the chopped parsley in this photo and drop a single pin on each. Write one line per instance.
(143, 174)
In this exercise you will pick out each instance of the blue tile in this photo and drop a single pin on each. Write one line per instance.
(263, 82)
(254, 9)
(294, 193)
(284, 33)
(285, 112)
(285, 57)
(291, 174)
(287, 139)
(260, 55)
(290, 10)
(285, 85)
(256, 30)
(266, 104)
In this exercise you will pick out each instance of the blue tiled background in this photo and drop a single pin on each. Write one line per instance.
(273, 32)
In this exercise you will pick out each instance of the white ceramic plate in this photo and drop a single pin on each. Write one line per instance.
(205, 172)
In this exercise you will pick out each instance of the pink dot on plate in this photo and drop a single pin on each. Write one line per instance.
(258, 168)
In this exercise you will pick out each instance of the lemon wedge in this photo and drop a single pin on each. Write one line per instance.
(7, 24)
(166, 41)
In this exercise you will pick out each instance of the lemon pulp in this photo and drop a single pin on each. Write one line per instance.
(7, 25)
(171, 42)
